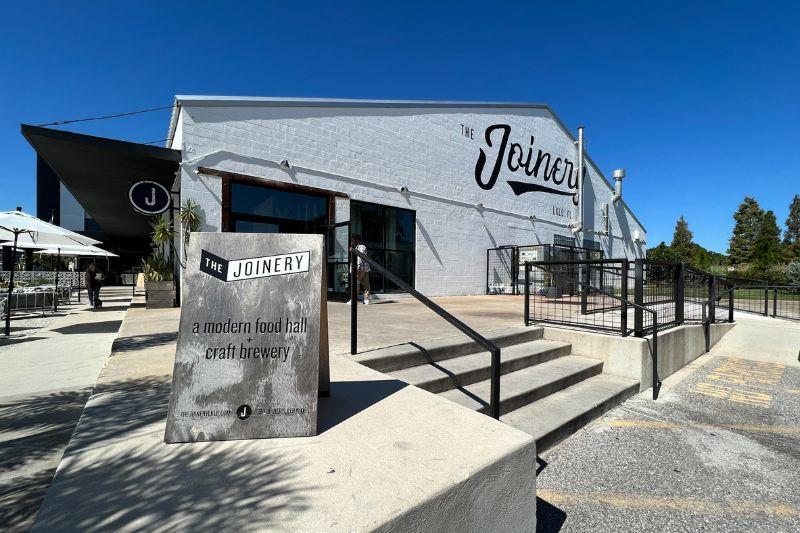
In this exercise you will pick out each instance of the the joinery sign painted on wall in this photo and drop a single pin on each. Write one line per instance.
(523, 159)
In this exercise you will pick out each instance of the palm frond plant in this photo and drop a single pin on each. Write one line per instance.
(158, 267)
(189, 215)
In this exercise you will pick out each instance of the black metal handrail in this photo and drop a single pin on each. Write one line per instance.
(708, 317)
(623, 308)
(494, 393)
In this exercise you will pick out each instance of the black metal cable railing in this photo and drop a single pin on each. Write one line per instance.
(494, 350)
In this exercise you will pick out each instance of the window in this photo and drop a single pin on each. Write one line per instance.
(259, 209)
(389, 235)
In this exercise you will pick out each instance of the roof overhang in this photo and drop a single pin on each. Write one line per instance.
(99, 173)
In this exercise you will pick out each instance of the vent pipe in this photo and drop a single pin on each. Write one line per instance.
(579, 218)
(618, 175)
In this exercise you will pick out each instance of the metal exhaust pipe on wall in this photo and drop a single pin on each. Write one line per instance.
(579, 218)
(619, 174)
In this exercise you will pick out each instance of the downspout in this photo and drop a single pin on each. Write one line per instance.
(579, 220)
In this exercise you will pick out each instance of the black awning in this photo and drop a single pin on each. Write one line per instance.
(99, 173)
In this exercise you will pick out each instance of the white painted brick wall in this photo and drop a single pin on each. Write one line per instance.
(369, 153)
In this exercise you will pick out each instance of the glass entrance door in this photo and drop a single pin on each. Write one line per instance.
(389, 235)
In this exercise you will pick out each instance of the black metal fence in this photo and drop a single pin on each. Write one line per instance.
(597, 295)
(505, 265)
(614, 294)
(763, 297)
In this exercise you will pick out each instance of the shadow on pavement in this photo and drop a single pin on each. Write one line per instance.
(549, 518)
(125, 344)
(352, 397)
(21, 497)
(198, 485)
(107, 326)
(6, 341)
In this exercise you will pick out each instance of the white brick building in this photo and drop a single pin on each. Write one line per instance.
(427, 183)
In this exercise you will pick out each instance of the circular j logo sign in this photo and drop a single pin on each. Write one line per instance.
(243, 412)
(149, 197)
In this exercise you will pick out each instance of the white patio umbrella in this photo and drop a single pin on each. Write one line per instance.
(82, 251)
(22, 228)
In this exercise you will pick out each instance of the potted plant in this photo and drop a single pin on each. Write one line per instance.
(158, 268)
(550, 289)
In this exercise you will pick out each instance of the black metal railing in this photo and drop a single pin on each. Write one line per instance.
(553, 290)
(763, 297)
(494, 350)
(599, 283)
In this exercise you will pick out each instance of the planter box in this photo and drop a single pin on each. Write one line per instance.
(551, 292)
(159, 294)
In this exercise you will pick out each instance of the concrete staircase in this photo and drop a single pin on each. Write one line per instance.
(545, 391)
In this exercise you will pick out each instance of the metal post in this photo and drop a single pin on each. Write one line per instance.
(774, 301)
(527, 292)
(353, 304)
(656, 381)
(487, 271)
(638, 298)
(679, 277)
(79, 280)
(712, 305)
(11, 284)
(583, 288)
(730, 305)
(494, 392)
(623, 319)
(55, 296)
(766, 301)
(515, 270)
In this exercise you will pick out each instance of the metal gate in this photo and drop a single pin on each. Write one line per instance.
(505, 267)
(502, 267)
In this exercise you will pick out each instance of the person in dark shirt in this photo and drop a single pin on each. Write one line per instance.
(92, 284)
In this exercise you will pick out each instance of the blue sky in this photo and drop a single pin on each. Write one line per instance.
(697, 100)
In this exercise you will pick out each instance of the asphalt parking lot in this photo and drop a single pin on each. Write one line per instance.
(718, 451)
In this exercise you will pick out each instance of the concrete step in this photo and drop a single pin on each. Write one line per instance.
(468, 369)
(527, 385)
(419, 353)
(556, 417)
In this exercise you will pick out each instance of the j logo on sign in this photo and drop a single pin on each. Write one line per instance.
(149, 197)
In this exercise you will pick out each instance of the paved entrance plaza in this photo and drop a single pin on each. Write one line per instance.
(717, 451)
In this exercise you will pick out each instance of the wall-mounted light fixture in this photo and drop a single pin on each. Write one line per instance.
(532, 217)
(404, 189)
(285, 165)
(479, 206)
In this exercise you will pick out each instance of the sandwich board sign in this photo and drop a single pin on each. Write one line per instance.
(252, 331)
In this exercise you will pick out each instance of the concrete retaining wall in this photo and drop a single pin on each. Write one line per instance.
(630, 357)
(388, 457)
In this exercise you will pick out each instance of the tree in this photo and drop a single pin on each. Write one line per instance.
(682, 245)
(767, 246)
(791, 237)
(793, 272)
(748, 220)
(662, 252)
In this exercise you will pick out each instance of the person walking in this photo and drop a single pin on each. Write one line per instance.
(362, 269)
(92, 285)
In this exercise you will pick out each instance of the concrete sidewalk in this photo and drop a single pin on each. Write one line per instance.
(45, 380)
(387, 456)
(718, 451)
(405, 319)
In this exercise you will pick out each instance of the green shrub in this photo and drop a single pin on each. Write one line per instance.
(793, 273)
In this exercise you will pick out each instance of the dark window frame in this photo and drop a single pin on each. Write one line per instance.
(375, 276)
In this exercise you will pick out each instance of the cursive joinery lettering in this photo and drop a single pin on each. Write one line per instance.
(517, 157)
